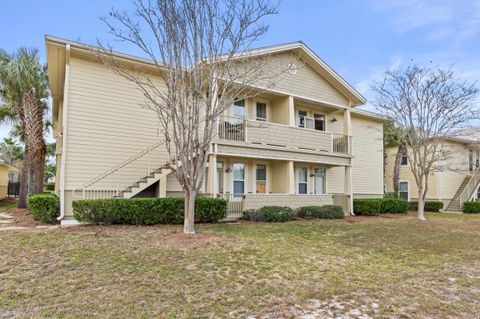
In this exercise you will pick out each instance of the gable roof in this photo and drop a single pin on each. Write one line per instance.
(56, 57)
(314, 61)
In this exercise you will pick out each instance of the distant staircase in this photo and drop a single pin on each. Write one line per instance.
(129, 177)
(465, 192)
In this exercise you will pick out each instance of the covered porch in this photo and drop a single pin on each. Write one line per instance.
(251, 183)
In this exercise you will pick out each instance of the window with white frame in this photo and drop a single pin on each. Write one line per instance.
(303, 180)
(317, 122)
(238, 178)
(261, 179)
(403, 190)
(261, 111)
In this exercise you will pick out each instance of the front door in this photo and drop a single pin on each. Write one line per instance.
(320, 181)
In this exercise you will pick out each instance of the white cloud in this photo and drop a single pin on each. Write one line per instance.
(443, 19)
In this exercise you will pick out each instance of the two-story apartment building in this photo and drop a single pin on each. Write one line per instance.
(300, 143)
(455, 180)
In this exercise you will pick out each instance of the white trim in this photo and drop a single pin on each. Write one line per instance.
(64, 131)
(245, 174)
(297, 186)
(267, 188)
(408, 188)
(267, 105)
(324, 180)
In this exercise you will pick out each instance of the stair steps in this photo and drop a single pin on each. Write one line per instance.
(454, 205)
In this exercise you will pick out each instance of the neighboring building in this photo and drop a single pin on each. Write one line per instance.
(5, 169)
(301, 143)
(455, 182)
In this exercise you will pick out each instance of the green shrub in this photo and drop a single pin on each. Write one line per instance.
(210, 210)
(323, 212)
(270, 214)
(390, 195)
(393, 206)
(367, 207)
(50, 187)
(430, 206)
(471, 207)
(147, 211)
(44, 208)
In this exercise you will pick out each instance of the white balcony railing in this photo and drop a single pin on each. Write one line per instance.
(280, 135)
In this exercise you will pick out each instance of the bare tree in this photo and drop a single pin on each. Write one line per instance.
(200, 49)
(428, 107)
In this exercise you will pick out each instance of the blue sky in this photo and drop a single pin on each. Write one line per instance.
(360, 39)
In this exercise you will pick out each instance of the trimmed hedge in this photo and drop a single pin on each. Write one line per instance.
(270, 214)
(377, 206)
(147, 211)
(323, 212)
(367, 207)
(471, 207)
(430, 206)
(44, 208)
(393, 206)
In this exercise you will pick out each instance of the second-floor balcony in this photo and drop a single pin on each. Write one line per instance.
(239, 129)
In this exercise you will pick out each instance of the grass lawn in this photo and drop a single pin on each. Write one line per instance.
(392, 266)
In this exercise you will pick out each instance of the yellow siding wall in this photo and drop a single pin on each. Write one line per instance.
(306, 82)
(442, 185)
(367, 163)
(106, 124)
(3, 181)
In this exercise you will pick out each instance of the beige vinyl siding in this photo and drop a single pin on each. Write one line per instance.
(106, 123)
(367, 162)
(3, 181)
(305, 83)
(455, 169)
(443, 184)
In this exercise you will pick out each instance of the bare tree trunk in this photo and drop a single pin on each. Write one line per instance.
(396, 169)
(421, 199)
(189, 224)
(22, 195)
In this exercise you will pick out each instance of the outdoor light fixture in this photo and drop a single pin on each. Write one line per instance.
(334, 119)
(228, 170)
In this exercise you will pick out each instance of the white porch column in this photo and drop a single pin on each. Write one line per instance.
(162, 187)
(212, 174)
(348, 187)
(291, 111)
(291, 177)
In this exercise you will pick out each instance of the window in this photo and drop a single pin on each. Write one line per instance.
(404, 159)
(319, 122)
(403, 191)
(302, 181)
(238, 178)
(261, 179)
(261, 111)
(239, 108)
(301, 118)
(320, 180)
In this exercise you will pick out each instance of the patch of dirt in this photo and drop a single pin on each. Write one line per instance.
(187, 242)
(19, 218)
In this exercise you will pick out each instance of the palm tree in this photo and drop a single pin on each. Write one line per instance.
(392, 138)
(24, 86)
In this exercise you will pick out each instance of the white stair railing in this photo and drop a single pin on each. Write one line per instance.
(112, 182)
(470, 188)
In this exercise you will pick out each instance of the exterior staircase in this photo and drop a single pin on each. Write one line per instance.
(454, 205)
(145, 182)
(130, 177)
(465, 192)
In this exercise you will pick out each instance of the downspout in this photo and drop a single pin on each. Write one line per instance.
(64, 132)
